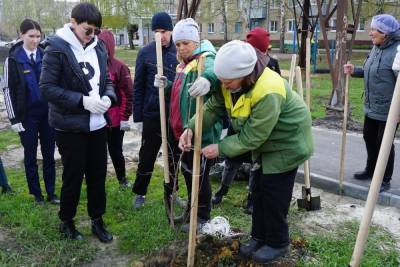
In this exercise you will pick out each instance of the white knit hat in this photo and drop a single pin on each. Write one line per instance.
(235, 59)
(186, 29)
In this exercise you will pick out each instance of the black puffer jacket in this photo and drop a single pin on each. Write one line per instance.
(63, 84)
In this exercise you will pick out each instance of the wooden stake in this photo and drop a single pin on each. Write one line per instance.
(344, 131)
(161, 97)
(292, 70)
(308, 72)
(196, 172)
(377, 178)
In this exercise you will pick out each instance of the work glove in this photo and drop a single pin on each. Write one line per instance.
(396, 61)
(17, 127)
(95, 105)
(124, 126)
(106, 101)
(138, 126)
(200, 87)
(160, 81)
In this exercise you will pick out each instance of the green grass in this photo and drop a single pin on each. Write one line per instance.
(7, 138)
(33, 239)
(127, 55)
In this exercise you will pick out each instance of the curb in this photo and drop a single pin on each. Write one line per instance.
(349, 189)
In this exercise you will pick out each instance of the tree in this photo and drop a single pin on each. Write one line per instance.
(282, 26)
(132, 30)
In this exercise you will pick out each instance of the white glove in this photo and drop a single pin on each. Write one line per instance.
(200, 87)
(160, 81)
(94, 104)
(18, 127)
(106, 100)
(124, 126)
(396, 61)
(138, 126)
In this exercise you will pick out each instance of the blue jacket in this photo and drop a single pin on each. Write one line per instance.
(379, 78)
(22, 94)
(145, 95)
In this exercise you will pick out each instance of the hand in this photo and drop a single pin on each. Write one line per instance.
(160, 81)
(124, 126)
(106, 100)
(17, 127)
(396, 61)
(94, 104)
(348, 68)
(185, 141)
(200, 87)
(211, 151)
(138, 126)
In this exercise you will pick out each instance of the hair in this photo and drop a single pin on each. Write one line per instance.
(87, 12)
(29, 24)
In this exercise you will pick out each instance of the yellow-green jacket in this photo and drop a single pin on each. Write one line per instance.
(271, 121)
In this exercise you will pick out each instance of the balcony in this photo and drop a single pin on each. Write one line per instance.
(258, 13)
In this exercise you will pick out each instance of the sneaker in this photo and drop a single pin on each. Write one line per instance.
(384, 187)
(246, 250)
(267, 254)
(139, 201)
(39, 200)
(69, 231)
(362, 175)
(124, 183)
(53, 199)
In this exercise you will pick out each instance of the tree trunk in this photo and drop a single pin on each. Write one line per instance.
(304, 33)
(282, 24)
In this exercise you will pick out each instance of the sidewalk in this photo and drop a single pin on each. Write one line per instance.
(324, 166)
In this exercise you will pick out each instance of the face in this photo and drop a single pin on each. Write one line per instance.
(185, 48)
(83, 31)
(31, 39)
(165, 37)
(377, 37)
(232, 84)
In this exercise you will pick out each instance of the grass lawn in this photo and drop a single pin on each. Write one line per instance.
(29, 235)
(7, 138)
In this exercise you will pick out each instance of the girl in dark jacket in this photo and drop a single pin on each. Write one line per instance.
(120, 113)
(27, 111)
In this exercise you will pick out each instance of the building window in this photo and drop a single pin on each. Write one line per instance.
(332, 24)
(222, 27)
(238, 27)
(238, 4)
(274, 4)
(210, 27)
(273, 26)
(291, 25)
(361, 25)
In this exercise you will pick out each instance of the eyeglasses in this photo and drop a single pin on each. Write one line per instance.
(91, 30)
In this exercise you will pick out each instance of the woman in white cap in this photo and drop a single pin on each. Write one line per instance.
(272, 122)
(379, 82)
(183, 92)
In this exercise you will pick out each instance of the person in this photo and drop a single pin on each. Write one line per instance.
(259, 39)
(146, 108)
(6, 188)
(75, 81)
(272, 122)
(379, 82)
(28, 111)
(186, 86)
(120, 113)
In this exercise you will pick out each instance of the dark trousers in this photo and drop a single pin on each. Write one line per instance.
(3, 176)
(83, 155)
(151, 143)
(204, 196)
(37, 128)
(373, 134)
(115, 139)
(271, 200)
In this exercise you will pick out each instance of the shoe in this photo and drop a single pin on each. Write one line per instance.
(249, 205)
(246, 250)
(186, 227)
(222, 191)
(384, 187)
(124, 183)
(53, 199)
(99, 230)
(362, 175)
(39, 200)
(7, 190)
(139, 201)
(267, 254)
(69, 231)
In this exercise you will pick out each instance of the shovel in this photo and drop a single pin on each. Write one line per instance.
(307, 201)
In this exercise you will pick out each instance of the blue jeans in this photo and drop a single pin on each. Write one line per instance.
(3, 176)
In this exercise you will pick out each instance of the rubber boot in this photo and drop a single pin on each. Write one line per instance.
(222, 191)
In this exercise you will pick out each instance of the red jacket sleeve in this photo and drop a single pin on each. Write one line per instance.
(125, 88)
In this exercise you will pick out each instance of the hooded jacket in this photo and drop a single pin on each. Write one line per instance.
(379, 78)
(70, 72)
(121, 78)
(21, 83)
(182, 105)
